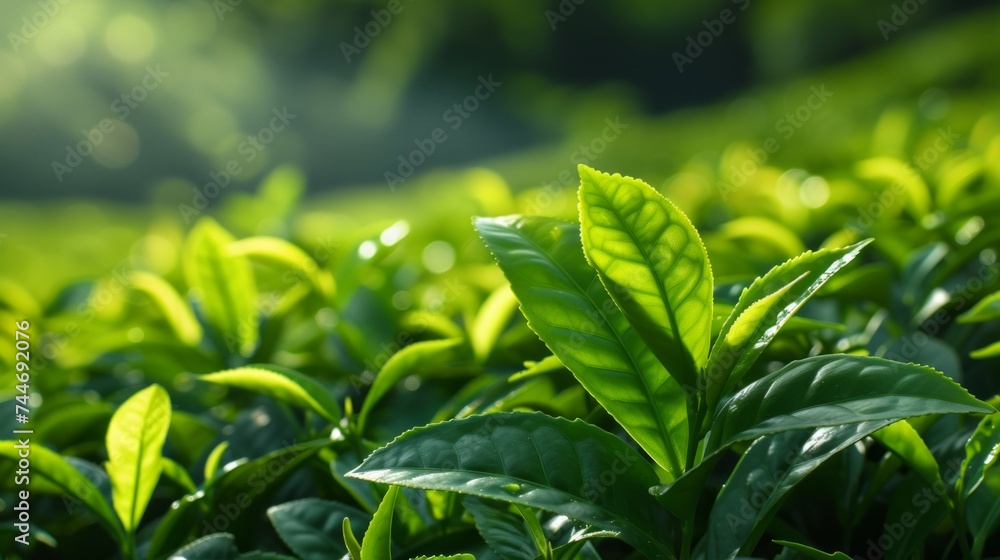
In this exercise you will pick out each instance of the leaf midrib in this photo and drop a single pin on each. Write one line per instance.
(664, 432)
(133, 522)
(659, 284)
(577, 499)
(839, 403)
(215, 260)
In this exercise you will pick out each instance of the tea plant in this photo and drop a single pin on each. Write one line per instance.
(637, 409)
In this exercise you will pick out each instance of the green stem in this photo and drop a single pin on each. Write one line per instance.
(694, 425)
(129, 548)
(687, 540)
(694, 414)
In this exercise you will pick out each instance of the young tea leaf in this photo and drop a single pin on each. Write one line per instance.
(225, 283)
(282, 384)
(377, 544)
(408, 361)
(785, 289)
(568, 308)
(653, 263)
(173, 307)
(135, 440)
(350, 541)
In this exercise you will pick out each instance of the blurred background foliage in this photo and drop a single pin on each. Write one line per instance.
(602, 87)
(223, 67)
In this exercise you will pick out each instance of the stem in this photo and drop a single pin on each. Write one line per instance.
(687, 539)
(957, 507)
(694, 429)
(129, 548)
(694, 414)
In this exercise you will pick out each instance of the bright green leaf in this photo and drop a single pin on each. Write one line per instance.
(412, 359)
(178, 474)
(173, 307)
(214, 459)
(568, 308)
(135, 440)
(282, 384)
(548, 364)
(904, 441)
(377, 544)
(790, 285)
(350, 541)
(286, 255)
(991, 351)
(987, 309)
(225, 282)
(490, 321)
(654, 265)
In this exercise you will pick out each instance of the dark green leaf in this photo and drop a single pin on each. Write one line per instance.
(764, 476)
(312, 528)
(837, 389)
(220, 546)
(571, 468)
(503, 530)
